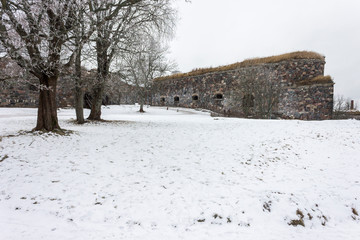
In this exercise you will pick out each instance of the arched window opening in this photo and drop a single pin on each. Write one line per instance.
(218, 96)
(176, 99)
(195, 97)
(162, 99)
(248, 100)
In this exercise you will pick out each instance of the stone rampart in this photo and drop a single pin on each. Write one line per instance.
(244, 91)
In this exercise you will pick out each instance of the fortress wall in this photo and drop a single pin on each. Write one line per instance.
(306, 102)
(314, 102)
(16, 95)
(294, 99)
(21, 94)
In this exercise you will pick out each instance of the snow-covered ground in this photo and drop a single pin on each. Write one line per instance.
(178, 174)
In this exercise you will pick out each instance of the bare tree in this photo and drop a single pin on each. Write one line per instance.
(339, 103)
(118, 24)
(266, 96)
(258, 97)
(341, 107)
(10, 70)
(146, 62)
(33, 33)
(80, 35)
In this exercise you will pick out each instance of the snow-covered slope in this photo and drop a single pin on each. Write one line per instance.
(179, 174)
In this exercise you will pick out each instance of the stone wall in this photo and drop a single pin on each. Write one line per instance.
(239, 91)
(24, 92)
(225, 91)
(18, 95)
(314, 102)
(15, 93)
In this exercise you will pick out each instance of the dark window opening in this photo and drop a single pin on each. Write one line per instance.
(195, 97)
(176, 99)
(218, 96)
(162, 99)
(248, 100)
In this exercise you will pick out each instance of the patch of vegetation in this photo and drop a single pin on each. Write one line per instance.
(215, 216)
(217, 219)
(56, 132)
(247, 63)
(244, 224)
(300, 214)
(97, 122)
(316, 80)
(267, 206)
(3, 158)
(323, 219)
(354, 211)
(297, 222)
(355, 214)
(59, 132)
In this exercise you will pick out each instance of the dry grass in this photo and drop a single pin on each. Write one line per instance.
(316, 80)
(247, 63)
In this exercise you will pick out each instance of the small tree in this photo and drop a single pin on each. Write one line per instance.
(258, 97)
(146, 62)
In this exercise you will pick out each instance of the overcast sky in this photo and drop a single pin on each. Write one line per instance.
(220, 32)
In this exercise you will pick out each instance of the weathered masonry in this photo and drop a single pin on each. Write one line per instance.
(24, 92)
(291, 86)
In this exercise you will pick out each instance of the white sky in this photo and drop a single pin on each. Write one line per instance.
(220, 32)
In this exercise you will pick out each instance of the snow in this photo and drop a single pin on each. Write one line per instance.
(178, 174)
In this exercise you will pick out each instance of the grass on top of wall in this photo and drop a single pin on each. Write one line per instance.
(247, 63)
(316, 80)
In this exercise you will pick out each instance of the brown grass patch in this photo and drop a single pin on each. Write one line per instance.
(316, 80)
(3, 158)
(247, 63)
(353, 210)
(298, 222)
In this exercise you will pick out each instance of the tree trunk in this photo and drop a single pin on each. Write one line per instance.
(79, 105)
(79, 92)
(47, 110)
(102, 72)
(141, 100)
(141, 108)
(97, 95)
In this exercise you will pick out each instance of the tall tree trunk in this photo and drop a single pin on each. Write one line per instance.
(47, 110)
(79, 92)
(102, 72)
(79, 105)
